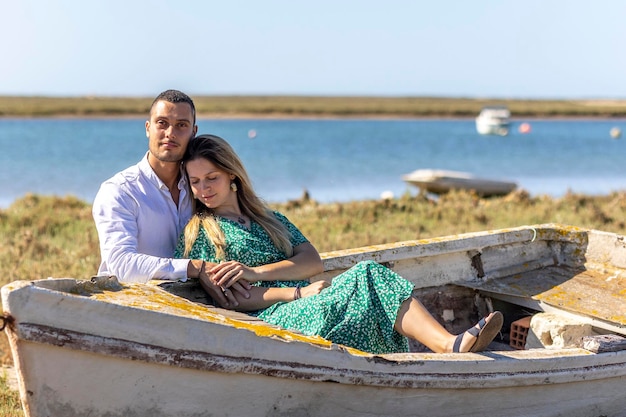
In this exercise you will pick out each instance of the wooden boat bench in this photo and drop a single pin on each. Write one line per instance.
(596, 298)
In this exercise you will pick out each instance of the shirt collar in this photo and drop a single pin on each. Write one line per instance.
(148, 172)
(146, 169)
(182, 183)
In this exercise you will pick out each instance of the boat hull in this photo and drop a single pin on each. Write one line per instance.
(79, 374)
(117, 386)
(489, 127)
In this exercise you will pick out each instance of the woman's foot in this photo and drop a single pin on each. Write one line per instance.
(477, 338)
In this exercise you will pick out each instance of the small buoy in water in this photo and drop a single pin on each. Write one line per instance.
(524, 128)
(251, 133)
(616, 132)
(386, 195)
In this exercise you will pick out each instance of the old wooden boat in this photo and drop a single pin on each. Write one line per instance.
(97, 348)
(438, 181)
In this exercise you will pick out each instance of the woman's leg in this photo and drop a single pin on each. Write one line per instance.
(415, 322)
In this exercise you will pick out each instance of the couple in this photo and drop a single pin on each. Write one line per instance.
(231, 239)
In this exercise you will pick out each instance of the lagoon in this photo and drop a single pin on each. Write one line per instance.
(334, 159)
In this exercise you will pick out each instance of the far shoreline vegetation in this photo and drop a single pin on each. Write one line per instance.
(312, 106)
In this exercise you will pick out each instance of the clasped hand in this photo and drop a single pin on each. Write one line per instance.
(221, 281)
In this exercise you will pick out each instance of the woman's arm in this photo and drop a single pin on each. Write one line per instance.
(304, 263)
(262, 297)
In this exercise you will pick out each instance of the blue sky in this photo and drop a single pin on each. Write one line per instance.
(462, 48)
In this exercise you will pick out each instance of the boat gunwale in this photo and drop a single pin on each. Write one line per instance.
(453, 244)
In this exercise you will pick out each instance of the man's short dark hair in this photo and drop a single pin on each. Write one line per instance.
(175, 96)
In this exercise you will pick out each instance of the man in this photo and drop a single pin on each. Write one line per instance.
(140, 211)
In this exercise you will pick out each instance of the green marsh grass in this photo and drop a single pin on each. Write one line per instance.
(312, 106)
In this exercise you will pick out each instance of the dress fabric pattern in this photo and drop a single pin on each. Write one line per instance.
(358, 310)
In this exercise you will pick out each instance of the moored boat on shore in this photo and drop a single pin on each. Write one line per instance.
(439, 181)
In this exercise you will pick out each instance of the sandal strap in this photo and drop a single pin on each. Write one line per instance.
(457, 343)
(475, 331)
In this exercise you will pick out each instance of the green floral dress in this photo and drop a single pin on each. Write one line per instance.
(358, 310)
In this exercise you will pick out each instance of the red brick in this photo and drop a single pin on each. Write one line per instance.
(519, 331)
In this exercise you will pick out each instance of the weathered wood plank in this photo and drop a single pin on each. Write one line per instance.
(604, 343)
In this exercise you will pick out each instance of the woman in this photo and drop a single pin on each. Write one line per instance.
(368, 307)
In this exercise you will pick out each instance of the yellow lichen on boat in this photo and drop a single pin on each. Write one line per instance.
(147, 297)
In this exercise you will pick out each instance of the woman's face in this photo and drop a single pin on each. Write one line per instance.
(209, 184)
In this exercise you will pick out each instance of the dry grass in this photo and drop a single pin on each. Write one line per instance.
(10, 405)
(362, 223)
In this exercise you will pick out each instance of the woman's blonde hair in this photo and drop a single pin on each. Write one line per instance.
(221, 154)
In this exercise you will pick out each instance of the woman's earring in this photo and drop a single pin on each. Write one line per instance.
(233, 187)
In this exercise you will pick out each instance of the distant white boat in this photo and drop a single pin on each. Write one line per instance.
(494, 120)
(442, 181)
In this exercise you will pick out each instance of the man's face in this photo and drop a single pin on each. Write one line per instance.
(169, 130)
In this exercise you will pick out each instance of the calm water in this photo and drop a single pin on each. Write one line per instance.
(335, 160)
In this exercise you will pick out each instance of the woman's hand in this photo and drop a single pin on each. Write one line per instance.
(313, 289)
(230, 272)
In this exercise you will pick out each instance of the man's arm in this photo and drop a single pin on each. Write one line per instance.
(132, 254)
